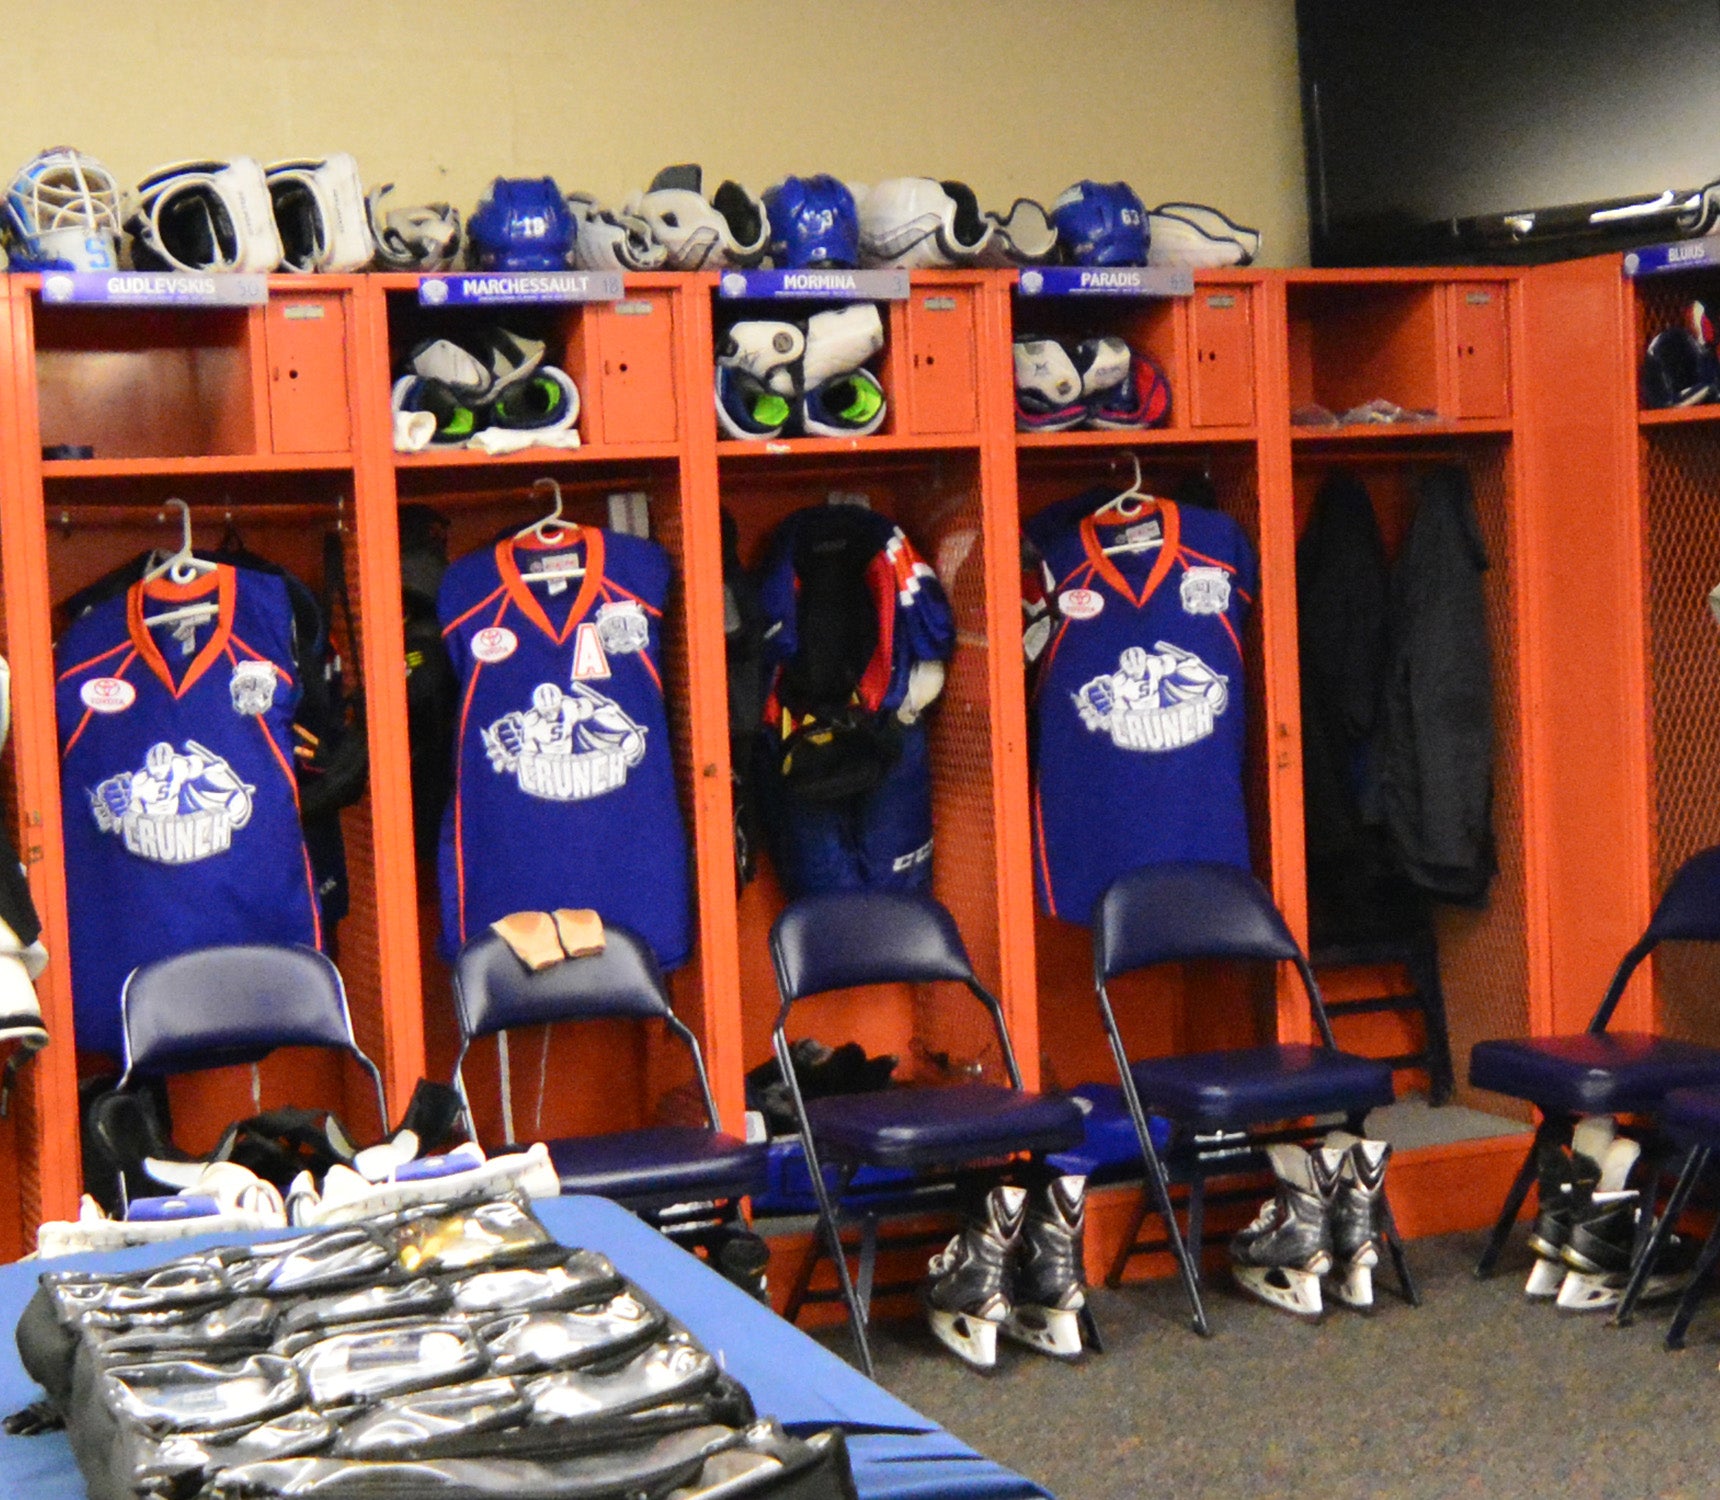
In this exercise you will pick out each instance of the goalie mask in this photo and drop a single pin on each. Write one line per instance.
(918, 222)
(608, 241)
(1025, 236)
(813, 222)
(1102, 224)
(728, 230)
(62, 213)
(321, 214)
(522, 224)
(205, 216)
(424, 237)
(1191, 234)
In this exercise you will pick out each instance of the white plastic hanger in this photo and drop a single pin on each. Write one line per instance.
(182, 567)
(549, 530)
(1130, 505)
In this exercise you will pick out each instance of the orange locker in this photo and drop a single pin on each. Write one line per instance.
(942, 390)
(1480, 349)
(1221, 377)
(307, 340)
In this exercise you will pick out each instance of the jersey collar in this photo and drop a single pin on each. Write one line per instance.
(1170, 517)
(521, 593)
(162, 591)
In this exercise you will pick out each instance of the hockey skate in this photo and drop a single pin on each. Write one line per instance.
(1598, 1248)
(966, 1290)
(1048, 1297)
(1567, 1184)
(1282, 1255)
(1358, 1216)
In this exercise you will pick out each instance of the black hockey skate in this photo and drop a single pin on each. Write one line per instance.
(1282, 1255)
(1048, 1295)
(1598, 1253)
(1567, 1181)
(967, 1288)
(1358, 1216)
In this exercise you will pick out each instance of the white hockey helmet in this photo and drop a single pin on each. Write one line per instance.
(918, 222)
(321, 214)
(204, 216)
(728, 229)
(607, 240)
(1025, 236)
(421, 237)
(62, 210)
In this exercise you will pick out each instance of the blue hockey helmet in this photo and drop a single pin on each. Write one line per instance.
(522, 224)
(813, 222)
(1102, 224)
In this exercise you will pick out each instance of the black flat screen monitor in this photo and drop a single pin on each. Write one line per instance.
(1428, 120)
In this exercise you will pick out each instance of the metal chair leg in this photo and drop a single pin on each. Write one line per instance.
(833, 1234)
(868, 1266)
(1693, 1293)
(1695, 1162)
(1547, 1131)
(1400, 1262)
(1197, 1218)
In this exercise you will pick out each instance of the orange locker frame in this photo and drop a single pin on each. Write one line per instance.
(288, 404)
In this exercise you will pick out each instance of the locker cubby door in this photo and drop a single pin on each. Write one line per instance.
(1486, 966)
(941, 318)
(599, 1076)
(937, 1033)
(1221, 344)
(1478, 346)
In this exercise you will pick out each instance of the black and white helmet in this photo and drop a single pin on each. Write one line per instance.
(420, 237)
(608, 240)
(729, 229)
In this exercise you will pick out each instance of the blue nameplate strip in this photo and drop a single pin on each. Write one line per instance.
(155, 288)
(487, 288)
(1107, 281)
(845, 286)
(1680, 255)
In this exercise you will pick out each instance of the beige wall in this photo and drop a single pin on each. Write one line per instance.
(1183, 98)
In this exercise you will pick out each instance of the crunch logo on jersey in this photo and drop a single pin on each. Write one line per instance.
(181, 807)
(1156, 700)
(571, 745)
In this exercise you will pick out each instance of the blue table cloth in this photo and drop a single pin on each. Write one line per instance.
(897, 1453)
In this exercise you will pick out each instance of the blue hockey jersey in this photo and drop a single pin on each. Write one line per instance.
(179, 799)
(1138, 701)
(564, 780)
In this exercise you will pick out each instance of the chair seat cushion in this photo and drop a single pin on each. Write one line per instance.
(1692, 1116)
(1255, 1085)
(658, 1165)
(928, 1127)
(1590, 1074)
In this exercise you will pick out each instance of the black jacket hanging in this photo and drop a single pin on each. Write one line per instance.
(1436, 765)
(1356, 889)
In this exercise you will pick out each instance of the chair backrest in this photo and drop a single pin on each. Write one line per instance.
(1688, 912)
(843, 939)
(839, 940)
(1164, 914)
(216, 1007)
(1173, 913)
(495, 992)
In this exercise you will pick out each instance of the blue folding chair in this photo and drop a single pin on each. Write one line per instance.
(687, 1180)
(231, 1006)
(1173, 914)
(1600, 1071)
(842, 940)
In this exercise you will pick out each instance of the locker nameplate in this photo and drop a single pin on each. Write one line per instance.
(1221, 300)
(1107, 281)
(841, 286)
(487, 288)
(303, 312)
(1681, 255)
(155, 288)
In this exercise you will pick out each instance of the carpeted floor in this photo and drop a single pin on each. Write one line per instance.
(1475, 1393)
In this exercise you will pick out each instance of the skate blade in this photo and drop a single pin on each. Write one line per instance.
(969, 1338)
(1051, 1330)
(1583, 1293)
(1354, 1284)
(1545, 1279)
(1291, 1291)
